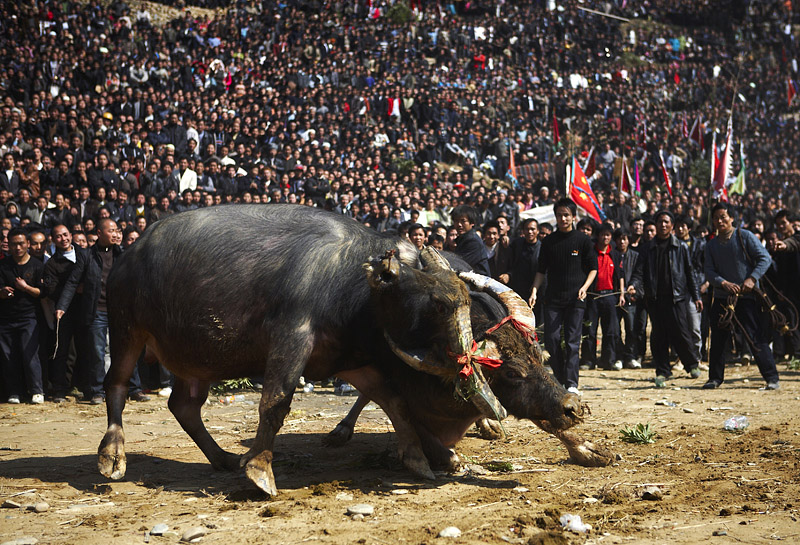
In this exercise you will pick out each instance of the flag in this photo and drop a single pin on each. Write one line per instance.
(791, 91)
(685, 126)
(589, 166)
(725, 166)
(667, 181)
(582, 194)
(738, 185)
(636, 188)
(625, 179)
(713, 156)
(696, 134)
(556, 137)
(511, 174)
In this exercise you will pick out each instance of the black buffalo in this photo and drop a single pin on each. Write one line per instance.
(280, 291)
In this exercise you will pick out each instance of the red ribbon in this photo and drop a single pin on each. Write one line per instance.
(529, 334)
(465, 360)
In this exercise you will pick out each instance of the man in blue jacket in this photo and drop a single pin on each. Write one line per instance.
(735, 261)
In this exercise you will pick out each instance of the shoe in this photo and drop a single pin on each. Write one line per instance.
(59, 399)
(309, 387)
(97, 400)
(574, 390)
(586, 367)
(165, 392)
(711, 385)
(772, 386)
(702, 366)
(344, 389)
(14, 400)
(661, 382)
(747, 359)
(695, 373)
(139, 396)
(302, 382)
(37, 399)
(617, 365)
(633, 364)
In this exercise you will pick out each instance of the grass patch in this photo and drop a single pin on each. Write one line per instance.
(232, 385)
(641, 434)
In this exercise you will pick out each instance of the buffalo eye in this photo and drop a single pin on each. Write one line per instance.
(511, 374)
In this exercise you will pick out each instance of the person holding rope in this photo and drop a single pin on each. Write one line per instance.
(735, 261)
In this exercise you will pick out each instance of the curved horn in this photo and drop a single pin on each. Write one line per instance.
(432, 260)
(421, 363)
(517, 308)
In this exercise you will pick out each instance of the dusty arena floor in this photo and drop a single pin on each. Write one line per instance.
(715, 486)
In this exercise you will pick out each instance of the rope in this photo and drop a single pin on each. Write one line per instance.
(58, 322)
(530, 335)
(465, 360)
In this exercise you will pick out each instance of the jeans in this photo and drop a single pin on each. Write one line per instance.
(19, 344)
(96, 368)
(563, 360)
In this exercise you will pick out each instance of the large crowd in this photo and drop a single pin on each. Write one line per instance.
(391, 113)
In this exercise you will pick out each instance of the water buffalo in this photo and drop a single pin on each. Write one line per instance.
(279, 291)
(504, 326)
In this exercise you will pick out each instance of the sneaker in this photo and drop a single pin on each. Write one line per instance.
(695, 373)
(139, 396)
(747, 359)
(702, 366)
(344, 389)
(165, 392)
(97, 400)
(661, 382)
(14, 400)
(309, 387)
(711, 385)
(59, 399)
(633, 364)
(617, 365)
(37, 399)
(574, 390)
(772, 386)
(586, 366)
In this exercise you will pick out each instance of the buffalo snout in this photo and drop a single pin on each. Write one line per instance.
(573, 409)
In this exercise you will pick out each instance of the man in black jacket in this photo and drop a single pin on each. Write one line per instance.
(469, 245)
(664, 276)
(92, 268)
(525, 263)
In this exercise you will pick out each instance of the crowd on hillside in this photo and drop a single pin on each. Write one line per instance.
(389, 112)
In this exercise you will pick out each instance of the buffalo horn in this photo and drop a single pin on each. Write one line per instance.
(421, 362)
(516, 307)
(432, 260)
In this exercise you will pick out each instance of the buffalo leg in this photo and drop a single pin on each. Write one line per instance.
(125, 353)
(185, 402)
(284, 366)
(373, 384)
(489, 429)
(343, 431)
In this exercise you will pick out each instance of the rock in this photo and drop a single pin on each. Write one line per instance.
(344, 496)
(11, 504)
(548, 538)
(450, 531)
(362, 509)
(725, 512)
(520, 489)
(159, 529)
(400, 492)
(22, 541)
(358, 517)
(41, 507)
(688, 410)
(652, 493)
(719, 533)
(590, 500)
(193, 533)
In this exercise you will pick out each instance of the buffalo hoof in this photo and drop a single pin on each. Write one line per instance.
(111, 459)
(585, 453)
(418, 464)
(259, 470)
(340, 435)
(489, 429)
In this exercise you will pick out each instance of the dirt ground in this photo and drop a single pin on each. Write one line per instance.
(744, 486)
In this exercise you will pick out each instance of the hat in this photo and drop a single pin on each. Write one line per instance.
(107, 115)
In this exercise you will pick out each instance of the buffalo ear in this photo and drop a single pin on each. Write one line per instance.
(421, 361)
(383, 271)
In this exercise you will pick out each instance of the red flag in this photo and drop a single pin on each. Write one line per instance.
(625, 179)
(582, 194)
(725, 165)
(791, 91)
(556, 137)
(667, 181)
(589, 167)
(696, 134)
(685, 126)
(512, 166)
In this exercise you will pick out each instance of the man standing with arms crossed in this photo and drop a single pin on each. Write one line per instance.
(568, 260)
(735, 261)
